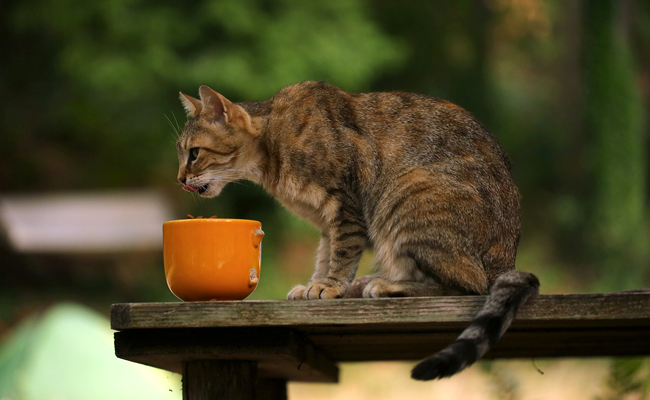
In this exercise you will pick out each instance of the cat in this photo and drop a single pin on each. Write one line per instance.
(413, 177)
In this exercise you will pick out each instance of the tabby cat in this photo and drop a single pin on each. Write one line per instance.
(415, 178)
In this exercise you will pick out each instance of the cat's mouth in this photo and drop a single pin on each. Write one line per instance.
(199, 190)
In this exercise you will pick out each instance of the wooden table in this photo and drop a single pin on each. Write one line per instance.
(250, 349)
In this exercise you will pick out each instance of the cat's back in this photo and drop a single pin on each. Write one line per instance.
(313, 104)
(387, 132)
(376, 114)
(393, 129)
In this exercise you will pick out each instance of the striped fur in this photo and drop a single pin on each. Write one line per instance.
(507, 294)
(415, 178)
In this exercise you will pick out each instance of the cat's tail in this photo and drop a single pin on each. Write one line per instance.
(507, 293)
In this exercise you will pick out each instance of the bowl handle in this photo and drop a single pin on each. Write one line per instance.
(253, 279)
(257, 237)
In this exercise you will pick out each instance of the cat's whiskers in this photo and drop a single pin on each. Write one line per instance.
(176, 129)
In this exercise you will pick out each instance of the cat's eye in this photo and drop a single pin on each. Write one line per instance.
(194, 154)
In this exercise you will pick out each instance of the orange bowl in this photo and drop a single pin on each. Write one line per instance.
(212, 258)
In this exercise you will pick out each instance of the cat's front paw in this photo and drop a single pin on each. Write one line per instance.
(297, 293)
(325, 291)
(318, 290)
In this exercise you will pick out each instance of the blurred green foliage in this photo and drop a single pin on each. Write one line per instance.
(615, 118)
(629, 378)
(91, 102)
(133, 51)
(94, 85)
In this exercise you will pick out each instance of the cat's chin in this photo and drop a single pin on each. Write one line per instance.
(210, 190)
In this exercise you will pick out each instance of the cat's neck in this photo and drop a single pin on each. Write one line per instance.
(259, 112)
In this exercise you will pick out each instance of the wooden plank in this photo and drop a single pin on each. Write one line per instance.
(302, 340)
(279, 353)
(550, 311)
(218, 379)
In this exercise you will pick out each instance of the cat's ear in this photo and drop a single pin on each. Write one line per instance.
(192, 106)
(215, 106)
(218, 108)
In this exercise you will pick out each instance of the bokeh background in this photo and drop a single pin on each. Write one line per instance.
(90, 111)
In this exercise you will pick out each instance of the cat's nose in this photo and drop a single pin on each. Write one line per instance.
(182, 179)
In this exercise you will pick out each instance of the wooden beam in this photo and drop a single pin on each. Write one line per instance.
(514, 344)
(279, 353)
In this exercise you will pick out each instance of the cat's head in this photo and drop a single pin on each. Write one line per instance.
(217, 145)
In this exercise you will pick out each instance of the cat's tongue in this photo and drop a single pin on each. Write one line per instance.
(190, 188)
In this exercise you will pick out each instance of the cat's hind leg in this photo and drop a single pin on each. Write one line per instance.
(357, 286)
(399, 275)
(379, 287)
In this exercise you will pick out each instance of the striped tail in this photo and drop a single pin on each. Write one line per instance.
(507, 293)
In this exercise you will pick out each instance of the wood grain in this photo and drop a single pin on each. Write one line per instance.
(302, 340)
(454, 311)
